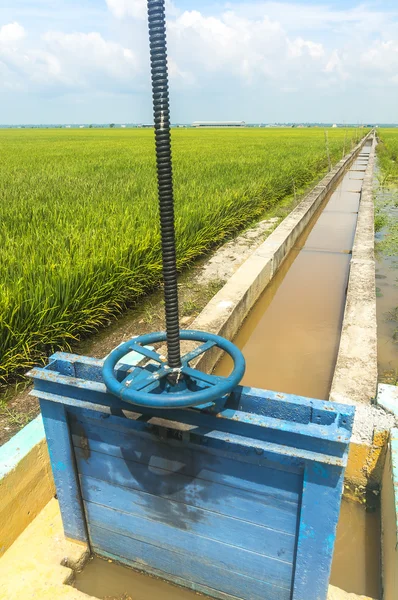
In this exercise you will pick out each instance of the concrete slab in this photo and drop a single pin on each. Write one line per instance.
(41, 561)
(387, 398)
(337, 594)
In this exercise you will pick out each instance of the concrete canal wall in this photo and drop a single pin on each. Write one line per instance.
(26, 482)
(355, 376)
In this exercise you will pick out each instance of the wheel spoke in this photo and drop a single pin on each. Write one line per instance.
(146, 352)
(142, 383)
(195, 374)
(197, 352)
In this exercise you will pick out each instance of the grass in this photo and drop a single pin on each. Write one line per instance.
(79, 222)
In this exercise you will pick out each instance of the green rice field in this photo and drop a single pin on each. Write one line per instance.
(79, 223)
(387, 151)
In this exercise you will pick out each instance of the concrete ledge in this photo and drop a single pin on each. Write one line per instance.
(387, 398)
(26, 483)
(337, 594)
(42, 561)
(355, 376)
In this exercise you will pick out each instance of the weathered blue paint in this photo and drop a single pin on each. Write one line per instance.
(239, 503)
(62, 458)
(320, 507)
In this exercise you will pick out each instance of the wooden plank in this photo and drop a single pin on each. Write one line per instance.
(187, 544)
(179, 568)
(265, 483)
(204, 522)
(180, 458)
(194, 438)
(240, 503)
(320, 510)
(63, 466)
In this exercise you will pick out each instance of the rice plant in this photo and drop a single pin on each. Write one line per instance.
(79, 223)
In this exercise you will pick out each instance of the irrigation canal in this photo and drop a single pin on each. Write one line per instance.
(291, 337)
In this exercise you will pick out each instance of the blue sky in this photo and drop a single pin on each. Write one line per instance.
(86, 61)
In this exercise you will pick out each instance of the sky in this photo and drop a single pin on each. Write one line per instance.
(87, 61)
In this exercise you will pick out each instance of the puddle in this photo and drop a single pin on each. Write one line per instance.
(356, 560)
(290, 339)
(111, 581)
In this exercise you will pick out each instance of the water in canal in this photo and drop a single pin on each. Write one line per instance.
(291, 337)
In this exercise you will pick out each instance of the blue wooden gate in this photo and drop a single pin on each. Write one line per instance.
(243, 503)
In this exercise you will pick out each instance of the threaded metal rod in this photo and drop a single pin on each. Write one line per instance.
(161, 113)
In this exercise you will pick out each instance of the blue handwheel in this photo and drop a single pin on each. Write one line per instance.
(150, 386)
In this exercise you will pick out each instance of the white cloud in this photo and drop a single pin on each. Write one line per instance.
(136, 9)
(300, 47)
(75, 60)
(84, 58)
(236, 46)
(261, 46)
(382, 57)
(11, 33)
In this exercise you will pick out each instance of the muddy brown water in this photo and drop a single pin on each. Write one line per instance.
(356, 561)
(290, 342)
(111, 581)
(291, 337)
